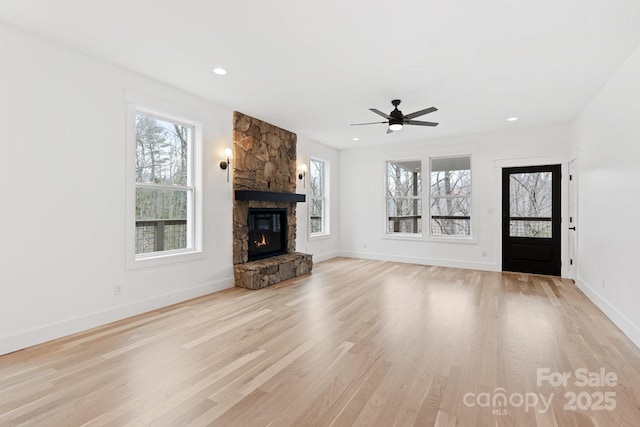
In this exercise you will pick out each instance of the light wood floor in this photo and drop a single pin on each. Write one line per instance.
(356, 343)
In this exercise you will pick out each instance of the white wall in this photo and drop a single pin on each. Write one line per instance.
(362, 180)
(606, 136)
(63, 208)
(323, 247)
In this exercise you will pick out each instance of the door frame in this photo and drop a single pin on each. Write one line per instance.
(572, 216)
(497, 209)
(554, 243)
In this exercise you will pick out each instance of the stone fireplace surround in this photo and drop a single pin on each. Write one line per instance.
(264, 162)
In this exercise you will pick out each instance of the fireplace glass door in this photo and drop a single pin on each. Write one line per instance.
(267, 233)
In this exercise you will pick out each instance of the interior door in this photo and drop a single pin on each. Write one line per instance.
(531, 219)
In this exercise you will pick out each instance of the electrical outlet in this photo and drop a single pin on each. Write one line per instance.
(484, 254)
(604, 284)
(364, 245)
(117, 289)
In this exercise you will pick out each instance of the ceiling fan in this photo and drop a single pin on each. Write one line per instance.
(396, 119)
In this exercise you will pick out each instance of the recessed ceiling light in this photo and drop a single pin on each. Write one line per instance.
(512, 119)
(355, 139)
(219, 71)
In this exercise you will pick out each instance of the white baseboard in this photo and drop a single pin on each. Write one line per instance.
(630, 329)
(325, 257)
(440, 262)
(11, 343)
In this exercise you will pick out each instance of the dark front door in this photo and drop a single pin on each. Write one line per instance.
(531, 219)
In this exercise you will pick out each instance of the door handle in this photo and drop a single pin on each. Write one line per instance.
(572, 228)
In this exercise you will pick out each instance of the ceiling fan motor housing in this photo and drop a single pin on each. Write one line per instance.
(395, 121)
(396, 114)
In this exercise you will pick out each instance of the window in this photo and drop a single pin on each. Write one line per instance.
(450, 199)
(318, 213)
(164, 185)
(530, 204)
(404, 197)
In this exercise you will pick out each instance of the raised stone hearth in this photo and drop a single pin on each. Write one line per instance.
(264, 160)
(269, 271)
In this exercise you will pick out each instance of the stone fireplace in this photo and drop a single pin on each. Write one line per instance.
(264, 207)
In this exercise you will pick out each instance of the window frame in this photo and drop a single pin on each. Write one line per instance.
(454, 237)
(386, 232)
(138, 104)
(326, 230)
(425, 159)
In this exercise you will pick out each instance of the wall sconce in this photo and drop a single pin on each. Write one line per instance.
(302, 173)
(226, 162)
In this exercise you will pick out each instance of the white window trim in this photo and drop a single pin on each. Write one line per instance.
(163, 110)
(386, 234)
(457, 239)
(426, 201)
(326, 233)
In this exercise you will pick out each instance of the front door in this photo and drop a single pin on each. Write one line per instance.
(531, 219)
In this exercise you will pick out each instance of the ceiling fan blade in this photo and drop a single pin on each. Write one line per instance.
(380, 113)
(370, 123)
(419, 123)
(420, 113)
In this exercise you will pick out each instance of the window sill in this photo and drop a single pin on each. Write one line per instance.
(461, 240)
(319, 236)
(154, 260)
(403, 236)
(421, 238)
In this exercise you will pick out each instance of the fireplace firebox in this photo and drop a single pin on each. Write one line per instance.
(267, 232)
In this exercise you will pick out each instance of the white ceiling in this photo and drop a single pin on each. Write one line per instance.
(316, 67)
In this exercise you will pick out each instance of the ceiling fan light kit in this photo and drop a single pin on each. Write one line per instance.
(396, 120)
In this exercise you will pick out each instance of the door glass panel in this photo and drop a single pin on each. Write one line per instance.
(530, 196)
(527, 228)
